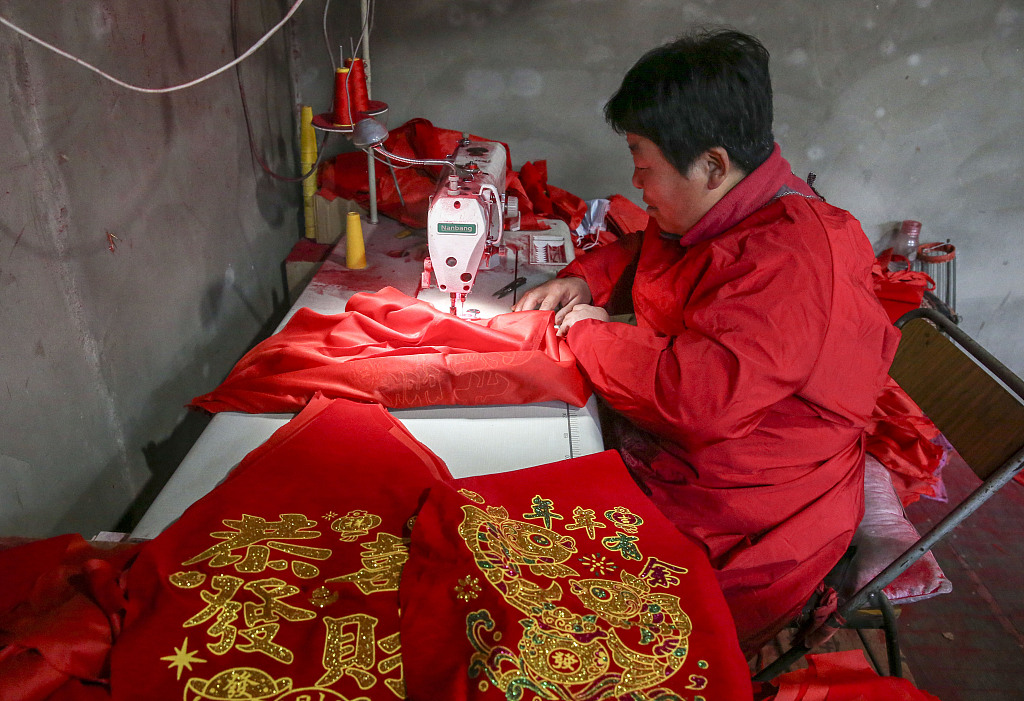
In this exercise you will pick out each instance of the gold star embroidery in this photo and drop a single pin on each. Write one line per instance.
(182, 658)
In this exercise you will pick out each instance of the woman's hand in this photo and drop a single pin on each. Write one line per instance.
(561, 294)
(579, 313)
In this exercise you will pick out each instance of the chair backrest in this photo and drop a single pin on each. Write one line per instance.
(981, 415)
(978, 414)
(978, 404)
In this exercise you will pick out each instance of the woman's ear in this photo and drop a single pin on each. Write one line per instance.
(720, 168)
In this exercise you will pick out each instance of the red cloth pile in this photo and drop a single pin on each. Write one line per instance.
(900, 435)
(842, 676)
(346, 176)
(547, 200)
(61, 609)
(899, 291)
(402, 352)
(906, 441)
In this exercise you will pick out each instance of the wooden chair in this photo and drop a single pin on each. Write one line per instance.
(978, 405)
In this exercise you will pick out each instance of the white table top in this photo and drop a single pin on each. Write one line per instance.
(471, 440)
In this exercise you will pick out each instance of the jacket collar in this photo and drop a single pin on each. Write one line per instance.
(771, 179)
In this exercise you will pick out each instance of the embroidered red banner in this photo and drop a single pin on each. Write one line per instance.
(562, 582)
(282, 583)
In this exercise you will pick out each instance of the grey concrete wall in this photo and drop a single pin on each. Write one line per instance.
(99, 348)
(905, 109)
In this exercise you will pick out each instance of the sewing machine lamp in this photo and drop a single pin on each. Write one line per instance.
(369, 133)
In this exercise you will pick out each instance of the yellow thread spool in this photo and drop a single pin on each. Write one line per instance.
(355, 250)
(307, 148)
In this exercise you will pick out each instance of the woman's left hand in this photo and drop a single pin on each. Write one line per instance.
(580, 312)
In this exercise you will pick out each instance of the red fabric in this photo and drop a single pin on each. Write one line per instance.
(758, 353)
(907, 443)
(624, 217)
(561, 581)
(550, 201)
(61, 606)
(402, 352)
(900, 291)
(346, 176)
(843, 676)
(285, 577)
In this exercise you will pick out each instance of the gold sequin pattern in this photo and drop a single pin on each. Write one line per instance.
(633, 633)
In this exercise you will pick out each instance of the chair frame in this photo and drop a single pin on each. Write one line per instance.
(994, 478)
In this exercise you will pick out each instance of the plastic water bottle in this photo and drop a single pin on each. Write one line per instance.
(907, 240)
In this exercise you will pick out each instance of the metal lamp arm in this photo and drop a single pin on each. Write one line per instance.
(419, 161)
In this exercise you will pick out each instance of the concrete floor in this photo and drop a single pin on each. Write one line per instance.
(969, 644)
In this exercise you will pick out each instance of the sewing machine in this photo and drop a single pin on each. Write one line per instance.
(467, 212)
(467, 216)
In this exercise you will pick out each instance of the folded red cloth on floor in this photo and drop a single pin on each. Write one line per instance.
(843, 676)
(283, 581)
(906, 441)
(61, 606)
(396, 350)
(562, 582)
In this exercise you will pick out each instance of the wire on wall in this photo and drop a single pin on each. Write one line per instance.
(173, 88)
(248, 121)
(327, 40)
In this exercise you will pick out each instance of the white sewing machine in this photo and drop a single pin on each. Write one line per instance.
(467, 216)
(467, 213)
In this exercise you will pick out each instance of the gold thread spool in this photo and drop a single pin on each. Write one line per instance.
(355, 250)
(307, 148)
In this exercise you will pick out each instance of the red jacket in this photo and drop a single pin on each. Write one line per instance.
(757, 356)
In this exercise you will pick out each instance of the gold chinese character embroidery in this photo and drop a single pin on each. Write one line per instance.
(382, 565)
(247, 534)
(624, 518)
(661, 574)
(625, 544)
(355, 524)
(543, 509)
(584, 518)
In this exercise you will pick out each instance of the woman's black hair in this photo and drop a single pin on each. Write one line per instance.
(702, 90)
